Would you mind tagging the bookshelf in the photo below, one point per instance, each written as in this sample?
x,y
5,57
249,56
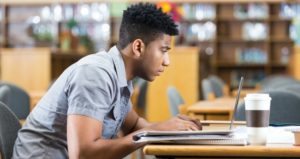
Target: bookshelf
x,y
65,28
250,39
78,28
217,27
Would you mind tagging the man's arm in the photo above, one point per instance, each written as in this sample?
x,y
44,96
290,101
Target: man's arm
x,y
84,135
84,140
133,122
180,122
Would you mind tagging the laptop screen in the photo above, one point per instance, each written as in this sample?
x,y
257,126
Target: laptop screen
x,y
236,102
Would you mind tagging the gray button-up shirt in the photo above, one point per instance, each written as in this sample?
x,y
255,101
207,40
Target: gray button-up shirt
x,y
95,86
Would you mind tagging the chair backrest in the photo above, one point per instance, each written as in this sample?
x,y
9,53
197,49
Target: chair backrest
x,y
4,93
275,81
217,85
285,107
9,126
207,89
141,99
138,97
18,100
175,100
292,87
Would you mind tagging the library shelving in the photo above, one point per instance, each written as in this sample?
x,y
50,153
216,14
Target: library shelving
x,y
250,38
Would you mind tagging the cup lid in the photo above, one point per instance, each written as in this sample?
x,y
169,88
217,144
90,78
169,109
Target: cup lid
x,y
257,96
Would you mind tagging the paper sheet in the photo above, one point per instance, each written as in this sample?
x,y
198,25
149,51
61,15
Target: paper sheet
x,y
280,135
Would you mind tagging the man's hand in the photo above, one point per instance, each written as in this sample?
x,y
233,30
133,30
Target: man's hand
x,y
178,123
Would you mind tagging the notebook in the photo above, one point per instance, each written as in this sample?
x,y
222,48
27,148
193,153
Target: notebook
x,y
177,135
232,142
235,137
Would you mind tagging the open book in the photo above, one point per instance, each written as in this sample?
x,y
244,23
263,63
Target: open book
x,y
236,137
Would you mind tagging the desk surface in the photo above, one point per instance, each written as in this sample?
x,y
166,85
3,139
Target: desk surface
x,y
218,151
207,109
281,150
219,105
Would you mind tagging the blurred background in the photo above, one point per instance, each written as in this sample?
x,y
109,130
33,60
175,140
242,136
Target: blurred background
x,y
220,40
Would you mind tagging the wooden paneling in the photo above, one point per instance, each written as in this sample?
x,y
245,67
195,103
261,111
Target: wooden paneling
x,y
183,74
28,68
294,65
61,61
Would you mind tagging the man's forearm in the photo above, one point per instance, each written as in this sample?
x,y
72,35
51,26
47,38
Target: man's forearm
x,y
141,124
144,124
109,148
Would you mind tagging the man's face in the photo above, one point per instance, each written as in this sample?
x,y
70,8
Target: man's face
x,y
155,58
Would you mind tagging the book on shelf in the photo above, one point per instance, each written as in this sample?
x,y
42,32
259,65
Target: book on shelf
x,y
226,137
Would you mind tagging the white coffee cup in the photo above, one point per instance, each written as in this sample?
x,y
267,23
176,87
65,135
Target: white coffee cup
x,y
257,107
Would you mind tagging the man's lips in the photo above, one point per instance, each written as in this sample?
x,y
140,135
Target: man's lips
x,y
160,72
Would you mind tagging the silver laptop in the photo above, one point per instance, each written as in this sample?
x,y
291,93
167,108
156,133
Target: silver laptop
x,y
204,132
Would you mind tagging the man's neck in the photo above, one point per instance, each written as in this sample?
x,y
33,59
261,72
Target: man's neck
x,y
127,62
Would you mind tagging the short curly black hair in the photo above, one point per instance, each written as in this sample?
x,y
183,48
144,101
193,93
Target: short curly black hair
x,y
144,21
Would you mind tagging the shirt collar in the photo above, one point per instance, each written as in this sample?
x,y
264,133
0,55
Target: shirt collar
x,y
120,68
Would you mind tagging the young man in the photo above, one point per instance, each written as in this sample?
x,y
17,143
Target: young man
x,y
82,113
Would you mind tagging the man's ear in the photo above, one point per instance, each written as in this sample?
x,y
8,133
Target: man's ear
x,y
138,48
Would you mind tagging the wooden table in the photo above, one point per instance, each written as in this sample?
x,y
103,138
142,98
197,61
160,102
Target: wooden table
x,y
197,151
213,151
220,125
218,109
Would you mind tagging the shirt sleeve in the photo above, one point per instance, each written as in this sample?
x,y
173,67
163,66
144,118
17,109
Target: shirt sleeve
x,y
90,91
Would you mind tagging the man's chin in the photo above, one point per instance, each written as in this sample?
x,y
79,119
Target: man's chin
x,y
149,78
152,78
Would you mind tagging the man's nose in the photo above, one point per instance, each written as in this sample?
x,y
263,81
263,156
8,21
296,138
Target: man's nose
x,y
166,60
